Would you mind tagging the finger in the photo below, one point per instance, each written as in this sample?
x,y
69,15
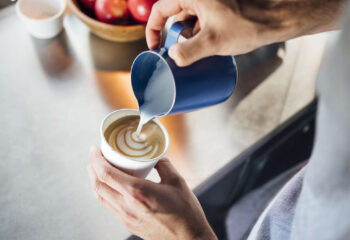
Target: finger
x,y
116,200
112,176
196,28
182,16
199,46
92,177
168,173
95,187
111,198
105,191
161,11
124,216
111,208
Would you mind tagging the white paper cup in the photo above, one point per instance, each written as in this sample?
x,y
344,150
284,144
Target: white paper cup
x,y
134,167
42,18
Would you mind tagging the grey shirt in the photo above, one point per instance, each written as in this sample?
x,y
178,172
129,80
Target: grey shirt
x,y
315,203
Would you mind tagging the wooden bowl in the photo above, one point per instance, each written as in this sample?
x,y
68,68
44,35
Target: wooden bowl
x,y
116,33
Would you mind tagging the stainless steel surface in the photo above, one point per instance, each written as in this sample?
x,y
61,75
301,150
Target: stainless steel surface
x,y
53,95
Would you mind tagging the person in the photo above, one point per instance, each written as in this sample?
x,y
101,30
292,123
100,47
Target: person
x,y
314,204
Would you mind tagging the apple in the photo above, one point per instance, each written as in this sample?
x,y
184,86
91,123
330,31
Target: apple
x,y
112,11
141,9
89,4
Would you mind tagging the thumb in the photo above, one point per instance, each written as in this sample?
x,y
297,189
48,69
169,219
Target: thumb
x,y
191,50
166,171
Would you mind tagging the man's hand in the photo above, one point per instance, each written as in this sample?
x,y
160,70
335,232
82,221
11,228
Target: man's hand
x,y
165,210
231,27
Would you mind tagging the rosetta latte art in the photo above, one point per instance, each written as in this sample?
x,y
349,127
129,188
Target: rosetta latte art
x,y
121,136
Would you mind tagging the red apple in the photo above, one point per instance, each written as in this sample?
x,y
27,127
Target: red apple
x,y
89,4
141,9
111,11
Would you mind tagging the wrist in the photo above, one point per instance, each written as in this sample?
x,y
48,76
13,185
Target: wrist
x,y
207,234
280,21
196,232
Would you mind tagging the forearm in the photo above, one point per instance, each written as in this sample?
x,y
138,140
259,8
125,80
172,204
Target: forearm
x,y
281,20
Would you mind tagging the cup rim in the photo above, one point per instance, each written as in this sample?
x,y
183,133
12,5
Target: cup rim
x,y
51,18
135,112
160,55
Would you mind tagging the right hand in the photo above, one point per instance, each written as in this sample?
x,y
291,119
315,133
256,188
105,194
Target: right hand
x,y
218,24
231,27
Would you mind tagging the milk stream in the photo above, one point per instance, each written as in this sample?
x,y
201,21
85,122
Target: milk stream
x,y
144,118
158,95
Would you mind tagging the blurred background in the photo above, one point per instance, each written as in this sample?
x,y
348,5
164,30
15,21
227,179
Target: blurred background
x,y
54,94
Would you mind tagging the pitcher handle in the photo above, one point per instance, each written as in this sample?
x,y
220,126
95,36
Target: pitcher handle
x,y
176,30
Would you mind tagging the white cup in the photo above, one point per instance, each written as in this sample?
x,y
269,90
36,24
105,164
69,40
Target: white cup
x,y
42,18
134,167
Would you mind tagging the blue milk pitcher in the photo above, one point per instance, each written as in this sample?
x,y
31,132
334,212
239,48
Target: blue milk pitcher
x,y
162,88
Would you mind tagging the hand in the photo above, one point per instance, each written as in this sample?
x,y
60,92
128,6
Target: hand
x,y
231,27
217,25
165,210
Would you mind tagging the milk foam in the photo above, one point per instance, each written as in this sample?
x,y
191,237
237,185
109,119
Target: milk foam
x,y
144,146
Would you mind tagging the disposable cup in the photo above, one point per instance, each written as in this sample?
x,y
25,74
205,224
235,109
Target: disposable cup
x,y
135,167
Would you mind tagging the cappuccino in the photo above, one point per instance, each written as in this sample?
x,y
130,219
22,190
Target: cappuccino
x,y
122,137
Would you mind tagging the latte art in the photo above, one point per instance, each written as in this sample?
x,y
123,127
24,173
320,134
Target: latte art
x,y
121,136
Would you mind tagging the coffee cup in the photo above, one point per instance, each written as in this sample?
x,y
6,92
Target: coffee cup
x,y
42,18
141,163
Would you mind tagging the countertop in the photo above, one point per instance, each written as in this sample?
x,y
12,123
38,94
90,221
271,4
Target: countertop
x,y
54,94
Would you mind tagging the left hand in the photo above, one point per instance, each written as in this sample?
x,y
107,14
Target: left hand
x,y
165,210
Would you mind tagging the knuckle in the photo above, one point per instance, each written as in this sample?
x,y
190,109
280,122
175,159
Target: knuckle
x,y
97,187
135,192
138,189
104,173
177,181
123,209
128,213
156,7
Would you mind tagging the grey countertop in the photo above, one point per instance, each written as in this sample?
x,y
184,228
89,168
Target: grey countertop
x,y
51,108
54,93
